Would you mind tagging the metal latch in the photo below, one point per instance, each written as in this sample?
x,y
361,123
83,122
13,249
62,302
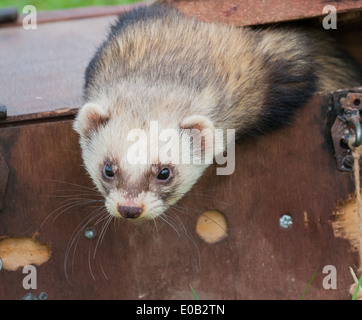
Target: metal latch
x,y
346,126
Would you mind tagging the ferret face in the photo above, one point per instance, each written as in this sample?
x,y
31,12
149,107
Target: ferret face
x,y
134,171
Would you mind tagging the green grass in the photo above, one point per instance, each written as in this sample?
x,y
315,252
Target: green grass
x,y
357,288
60,4
194,293
301,298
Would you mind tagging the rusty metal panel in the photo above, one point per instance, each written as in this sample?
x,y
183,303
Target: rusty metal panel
x,y
259,259
251,12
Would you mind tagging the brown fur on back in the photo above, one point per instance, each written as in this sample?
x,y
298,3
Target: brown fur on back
x,y
250,80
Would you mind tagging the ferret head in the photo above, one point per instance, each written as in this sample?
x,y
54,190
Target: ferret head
x,y
134,157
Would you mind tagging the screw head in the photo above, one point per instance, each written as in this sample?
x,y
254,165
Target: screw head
x,y
43,296
29,296
285,221
90,233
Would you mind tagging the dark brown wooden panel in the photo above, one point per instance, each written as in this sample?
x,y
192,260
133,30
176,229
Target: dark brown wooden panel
x,y
289,172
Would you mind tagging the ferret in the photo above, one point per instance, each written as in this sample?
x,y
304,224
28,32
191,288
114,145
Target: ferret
x,y
159,66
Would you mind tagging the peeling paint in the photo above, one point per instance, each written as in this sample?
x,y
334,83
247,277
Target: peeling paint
x,y
211,226
345,222
16,253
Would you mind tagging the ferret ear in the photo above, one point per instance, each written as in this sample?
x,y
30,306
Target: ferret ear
x,y
89,118
201,129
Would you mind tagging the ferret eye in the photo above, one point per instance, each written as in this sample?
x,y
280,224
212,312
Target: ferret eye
x,y
108,172
164,174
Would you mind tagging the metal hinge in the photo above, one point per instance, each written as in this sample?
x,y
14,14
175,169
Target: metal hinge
x,y
346,126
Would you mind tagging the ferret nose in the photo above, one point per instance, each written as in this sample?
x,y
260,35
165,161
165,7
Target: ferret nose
x,y
130,212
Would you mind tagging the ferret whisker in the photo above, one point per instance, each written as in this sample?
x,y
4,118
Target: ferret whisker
x,y
102,269
77,237
209,197
93,189
165,218
102,218
103,232
167,260
190,237
74,238
212,191
177,208
84,194
89,260
106,223
155,223
214,221
73,200
185,209
66,207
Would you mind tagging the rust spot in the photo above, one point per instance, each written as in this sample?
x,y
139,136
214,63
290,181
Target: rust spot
x,y
345,221
229,12
306,220
211,226
16,253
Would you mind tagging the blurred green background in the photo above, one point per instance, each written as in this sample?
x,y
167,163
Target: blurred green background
x,y
60,4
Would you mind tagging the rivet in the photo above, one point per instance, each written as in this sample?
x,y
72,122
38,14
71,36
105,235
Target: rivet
x,y
285,221
29,296
90,233
43,296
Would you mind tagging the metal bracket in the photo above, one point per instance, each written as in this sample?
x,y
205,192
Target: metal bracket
x,y
346,126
